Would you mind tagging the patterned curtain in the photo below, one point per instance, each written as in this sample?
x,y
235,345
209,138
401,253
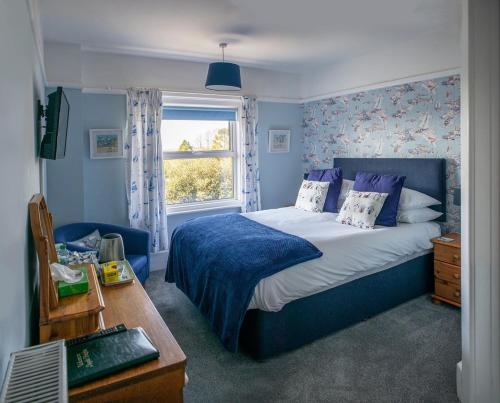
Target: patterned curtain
x,y
250,178
145,179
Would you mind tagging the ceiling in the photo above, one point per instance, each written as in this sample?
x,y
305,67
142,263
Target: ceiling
x,y
285,35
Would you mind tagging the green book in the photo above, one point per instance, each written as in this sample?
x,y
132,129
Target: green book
x,y
108,354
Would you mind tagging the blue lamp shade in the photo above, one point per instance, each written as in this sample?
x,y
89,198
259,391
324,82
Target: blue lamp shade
x,y
223,76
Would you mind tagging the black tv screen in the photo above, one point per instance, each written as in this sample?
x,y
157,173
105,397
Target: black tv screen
x,y
54,142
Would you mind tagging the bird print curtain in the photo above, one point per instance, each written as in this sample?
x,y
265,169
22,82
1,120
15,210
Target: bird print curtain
x,y
145,177
250,179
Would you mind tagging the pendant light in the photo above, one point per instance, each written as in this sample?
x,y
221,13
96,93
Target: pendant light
x,y
223,76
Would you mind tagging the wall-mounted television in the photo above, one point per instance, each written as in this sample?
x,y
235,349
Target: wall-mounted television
x,y
57,115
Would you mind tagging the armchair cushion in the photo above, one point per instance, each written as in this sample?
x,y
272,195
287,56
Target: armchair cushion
x,y
89,241
135,242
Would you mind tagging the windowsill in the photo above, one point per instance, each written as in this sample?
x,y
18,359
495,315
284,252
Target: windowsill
x,y
205,206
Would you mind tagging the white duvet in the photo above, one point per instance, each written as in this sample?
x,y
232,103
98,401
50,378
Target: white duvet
x,y
348,253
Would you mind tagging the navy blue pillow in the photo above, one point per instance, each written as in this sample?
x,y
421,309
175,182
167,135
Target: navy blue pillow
x,y
334,176
392,184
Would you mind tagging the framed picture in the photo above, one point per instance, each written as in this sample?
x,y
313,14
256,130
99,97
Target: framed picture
x,y
279,141
106,143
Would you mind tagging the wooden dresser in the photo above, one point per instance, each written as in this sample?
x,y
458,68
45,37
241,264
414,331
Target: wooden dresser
x,y
160,380
447,272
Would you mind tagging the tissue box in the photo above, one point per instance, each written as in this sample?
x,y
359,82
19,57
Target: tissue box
x,y
66,289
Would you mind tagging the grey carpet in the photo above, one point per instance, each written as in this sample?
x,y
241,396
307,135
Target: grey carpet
x,y
407,354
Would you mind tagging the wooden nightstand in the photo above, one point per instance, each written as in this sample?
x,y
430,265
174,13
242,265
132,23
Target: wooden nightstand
x,y
447,273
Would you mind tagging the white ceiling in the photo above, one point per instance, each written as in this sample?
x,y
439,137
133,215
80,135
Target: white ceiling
x,y
287,35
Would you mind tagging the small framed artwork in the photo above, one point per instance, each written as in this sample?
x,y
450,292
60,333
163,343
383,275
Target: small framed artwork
x,y
106,143
279,141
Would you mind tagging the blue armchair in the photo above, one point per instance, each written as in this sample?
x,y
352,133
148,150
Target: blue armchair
x,y
135,242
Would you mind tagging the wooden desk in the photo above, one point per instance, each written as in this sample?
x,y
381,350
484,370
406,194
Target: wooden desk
x,y
161,380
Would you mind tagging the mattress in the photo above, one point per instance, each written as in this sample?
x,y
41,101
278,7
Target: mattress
x,y
349,253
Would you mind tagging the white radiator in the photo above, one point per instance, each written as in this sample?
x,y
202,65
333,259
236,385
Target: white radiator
x,y
37,374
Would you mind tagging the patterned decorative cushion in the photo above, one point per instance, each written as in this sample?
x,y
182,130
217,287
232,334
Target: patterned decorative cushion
x,y
361,209
90,241
312,196
334,177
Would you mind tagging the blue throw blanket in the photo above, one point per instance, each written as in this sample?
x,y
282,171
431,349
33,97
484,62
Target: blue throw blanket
x,y
218,260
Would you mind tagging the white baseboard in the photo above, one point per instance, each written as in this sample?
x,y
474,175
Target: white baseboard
x,y
459,380
158,261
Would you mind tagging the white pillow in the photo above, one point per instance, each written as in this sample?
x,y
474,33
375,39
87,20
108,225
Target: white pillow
x,y
418,215
312,196
347,185
411,199
361,209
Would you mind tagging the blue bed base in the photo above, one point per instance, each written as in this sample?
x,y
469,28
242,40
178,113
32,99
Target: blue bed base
x,y
302,321
265,334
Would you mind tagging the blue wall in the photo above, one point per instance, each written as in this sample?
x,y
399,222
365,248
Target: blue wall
x,y
65,187
104,179
82,189
280,173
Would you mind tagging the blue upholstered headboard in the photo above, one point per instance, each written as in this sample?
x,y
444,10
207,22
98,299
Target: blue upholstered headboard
x,y
427,175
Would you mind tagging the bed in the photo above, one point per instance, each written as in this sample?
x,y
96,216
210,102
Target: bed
x,y
377,269
363,252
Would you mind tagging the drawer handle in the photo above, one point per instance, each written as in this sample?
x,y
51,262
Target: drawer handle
x,y
455,258
456,293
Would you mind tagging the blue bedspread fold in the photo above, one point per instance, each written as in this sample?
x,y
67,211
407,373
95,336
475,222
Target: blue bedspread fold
x,y
218,260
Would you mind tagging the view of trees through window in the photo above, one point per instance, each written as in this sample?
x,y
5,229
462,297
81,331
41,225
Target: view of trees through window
x,y
202,176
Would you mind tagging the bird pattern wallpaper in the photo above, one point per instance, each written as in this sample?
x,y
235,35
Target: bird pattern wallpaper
x,y
414,120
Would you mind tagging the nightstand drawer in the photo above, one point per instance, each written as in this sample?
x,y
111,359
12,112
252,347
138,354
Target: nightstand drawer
x,y
447,272
447,290
447,254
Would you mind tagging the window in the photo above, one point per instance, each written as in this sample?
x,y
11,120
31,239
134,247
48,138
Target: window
x,y
199,156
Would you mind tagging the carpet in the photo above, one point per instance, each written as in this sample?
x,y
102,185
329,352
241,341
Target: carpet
x,y
407,354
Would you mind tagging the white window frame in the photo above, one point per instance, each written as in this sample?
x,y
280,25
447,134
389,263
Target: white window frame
x,y
200,101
